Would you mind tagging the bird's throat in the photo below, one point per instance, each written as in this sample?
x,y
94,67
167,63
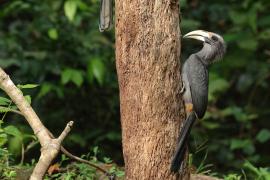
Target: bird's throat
x,y
206,54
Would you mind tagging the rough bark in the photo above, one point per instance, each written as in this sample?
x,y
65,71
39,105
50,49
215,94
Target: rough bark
x,y
148,67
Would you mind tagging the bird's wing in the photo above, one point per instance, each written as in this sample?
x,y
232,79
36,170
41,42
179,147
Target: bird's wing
x,y
197,75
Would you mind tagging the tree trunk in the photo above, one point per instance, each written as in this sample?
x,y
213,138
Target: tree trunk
x,y
148,67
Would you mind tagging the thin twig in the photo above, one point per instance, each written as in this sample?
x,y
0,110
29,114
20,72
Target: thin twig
x,y
76,158
10,110
22,152
67,153
3,117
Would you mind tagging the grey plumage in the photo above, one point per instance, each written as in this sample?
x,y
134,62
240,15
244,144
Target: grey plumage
x,y
197,76
181,146
195,79
106,15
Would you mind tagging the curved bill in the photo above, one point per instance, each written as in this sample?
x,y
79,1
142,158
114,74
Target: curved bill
x,y
198,34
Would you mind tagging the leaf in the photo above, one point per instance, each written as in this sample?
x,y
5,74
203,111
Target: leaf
x,y
249,44
66,76
72,75
95,150
53,33
249,149
245,144
233,177
77,78
263,135
5,109
28,98
239,143
113,136
120,173
210,125
3,139
39,55
64,158
107,160
14,131
252,19
217,85
15,145
238,113
232,37
238,18
10,174
96,68
4,101
45,89
27,86
249,166
82,5
265,35
70,8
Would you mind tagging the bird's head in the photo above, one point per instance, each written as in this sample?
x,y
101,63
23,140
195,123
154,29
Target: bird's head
x,y
214,45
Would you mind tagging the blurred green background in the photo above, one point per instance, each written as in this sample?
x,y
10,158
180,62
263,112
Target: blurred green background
x,y
57,45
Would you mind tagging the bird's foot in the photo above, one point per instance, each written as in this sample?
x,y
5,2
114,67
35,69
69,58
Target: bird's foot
x,y
183,168
183,89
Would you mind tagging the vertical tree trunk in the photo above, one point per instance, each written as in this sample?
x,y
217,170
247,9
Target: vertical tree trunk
x,y
148,67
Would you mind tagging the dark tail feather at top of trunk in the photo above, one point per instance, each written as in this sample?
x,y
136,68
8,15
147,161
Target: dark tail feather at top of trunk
x,y
181,147
106,15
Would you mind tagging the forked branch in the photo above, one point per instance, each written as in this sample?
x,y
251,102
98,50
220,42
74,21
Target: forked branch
x,y
50,147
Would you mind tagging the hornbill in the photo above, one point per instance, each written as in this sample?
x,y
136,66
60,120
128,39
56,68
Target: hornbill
x,y
106,15
195,85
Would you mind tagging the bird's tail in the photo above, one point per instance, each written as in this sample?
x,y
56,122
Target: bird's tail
x,y
181,147
106,15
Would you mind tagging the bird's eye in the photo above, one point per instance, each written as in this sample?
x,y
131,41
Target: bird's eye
x,y
214,38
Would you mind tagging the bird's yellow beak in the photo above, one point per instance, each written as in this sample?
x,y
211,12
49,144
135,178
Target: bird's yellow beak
x,y
199,35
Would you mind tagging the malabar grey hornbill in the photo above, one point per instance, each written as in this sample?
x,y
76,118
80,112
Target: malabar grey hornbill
x,y
106,15
195,86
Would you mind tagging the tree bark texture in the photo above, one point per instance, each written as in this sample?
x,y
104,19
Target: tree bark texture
x,y
148,67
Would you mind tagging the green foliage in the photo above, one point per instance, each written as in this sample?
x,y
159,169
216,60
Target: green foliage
x,y
27,86
233,177
72,75
96,69
4,101
257,173
83,171
57,44
53,33
10,134
236,124
70,9
263,136
72,171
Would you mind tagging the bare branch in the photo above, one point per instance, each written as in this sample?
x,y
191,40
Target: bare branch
x,y
65,132
49,147
64,150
